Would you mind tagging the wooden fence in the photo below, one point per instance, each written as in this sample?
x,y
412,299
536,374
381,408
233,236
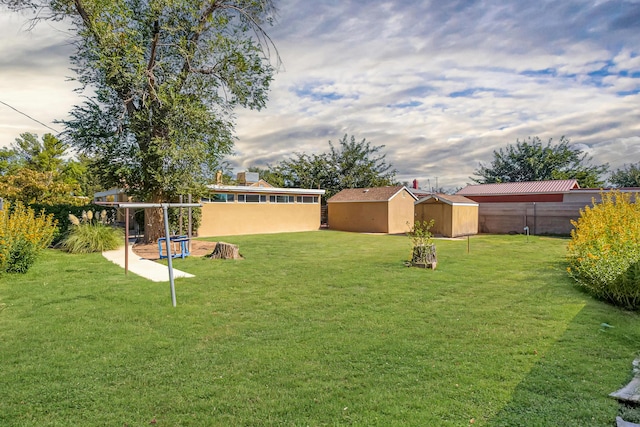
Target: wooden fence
x,y
540,217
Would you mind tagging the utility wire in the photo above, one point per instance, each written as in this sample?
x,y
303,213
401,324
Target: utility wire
x,y
28,116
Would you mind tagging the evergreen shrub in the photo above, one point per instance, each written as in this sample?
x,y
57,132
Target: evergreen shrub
x,y
604,251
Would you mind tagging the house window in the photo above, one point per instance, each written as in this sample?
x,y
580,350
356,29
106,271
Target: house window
x,y
307,199
280,198
219,198
252,198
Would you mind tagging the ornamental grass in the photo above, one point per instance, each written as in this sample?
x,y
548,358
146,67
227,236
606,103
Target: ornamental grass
x,y
90,234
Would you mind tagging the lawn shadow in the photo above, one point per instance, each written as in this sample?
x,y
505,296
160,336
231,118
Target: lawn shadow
x,y
586,360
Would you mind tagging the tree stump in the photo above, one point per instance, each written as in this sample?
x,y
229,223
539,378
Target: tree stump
x,y
225,251
424,256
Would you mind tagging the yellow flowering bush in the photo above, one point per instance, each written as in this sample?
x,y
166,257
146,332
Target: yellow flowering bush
x,y
604,251
23,234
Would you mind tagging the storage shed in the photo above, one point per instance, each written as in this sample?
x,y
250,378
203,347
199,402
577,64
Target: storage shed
x,y
372,210
453,215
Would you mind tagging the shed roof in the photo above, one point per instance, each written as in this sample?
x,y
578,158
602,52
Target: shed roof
x,y
512,188
374,194
450,199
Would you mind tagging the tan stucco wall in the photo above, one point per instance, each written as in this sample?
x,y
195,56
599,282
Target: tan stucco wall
x,y
230,219
449,221
373,217
439,212
465,220
363,217
401,213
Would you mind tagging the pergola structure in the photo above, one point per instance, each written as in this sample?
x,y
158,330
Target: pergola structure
x,y
165,207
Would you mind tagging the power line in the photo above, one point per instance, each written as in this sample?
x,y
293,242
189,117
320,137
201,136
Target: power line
x,y
28,116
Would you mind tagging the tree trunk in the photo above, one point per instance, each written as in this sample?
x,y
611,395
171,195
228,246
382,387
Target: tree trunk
x,y
225,251
424,256
153,224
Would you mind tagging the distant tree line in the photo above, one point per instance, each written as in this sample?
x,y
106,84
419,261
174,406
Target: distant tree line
x,y
533,160
349,164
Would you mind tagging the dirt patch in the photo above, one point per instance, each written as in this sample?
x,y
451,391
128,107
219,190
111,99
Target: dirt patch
x,y
150,250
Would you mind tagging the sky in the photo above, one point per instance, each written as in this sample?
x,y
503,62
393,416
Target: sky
x,y
441,84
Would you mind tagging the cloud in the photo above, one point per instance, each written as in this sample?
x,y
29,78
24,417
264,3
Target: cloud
x,y
440,84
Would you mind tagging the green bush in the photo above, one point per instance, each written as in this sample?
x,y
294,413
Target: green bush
x,y
22,235
22,255
61,215
92,233
604,252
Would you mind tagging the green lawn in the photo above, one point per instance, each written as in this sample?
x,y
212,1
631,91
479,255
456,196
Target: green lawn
x,y
320,329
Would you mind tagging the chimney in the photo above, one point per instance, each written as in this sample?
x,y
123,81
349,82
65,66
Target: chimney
x,y
247,178
415,184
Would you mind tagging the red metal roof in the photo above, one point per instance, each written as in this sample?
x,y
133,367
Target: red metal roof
x,y
511,188
375,194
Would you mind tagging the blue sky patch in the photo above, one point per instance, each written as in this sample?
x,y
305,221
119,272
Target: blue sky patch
x,y
318,92
409,104
551,72
470,92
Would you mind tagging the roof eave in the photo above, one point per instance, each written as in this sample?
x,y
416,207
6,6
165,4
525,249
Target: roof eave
x,y
246,189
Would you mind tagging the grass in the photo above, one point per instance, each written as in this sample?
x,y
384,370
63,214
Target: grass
x,y
320,329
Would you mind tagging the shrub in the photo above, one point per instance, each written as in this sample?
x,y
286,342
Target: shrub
x,y
21,256
91,233
23,234
604,252
423,250
61,214
420,233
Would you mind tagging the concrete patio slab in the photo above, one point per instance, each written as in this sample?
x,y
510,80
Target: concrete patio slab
x,y
143,267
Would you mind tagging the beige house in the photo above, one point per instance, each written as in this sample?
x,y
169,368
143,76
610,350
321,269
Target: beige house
x,y
453,216
258,208
372,210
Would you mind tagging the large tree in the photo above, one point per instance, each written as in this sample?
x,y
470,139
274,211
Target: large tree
x,y
532,160
627,176
163,78
351,164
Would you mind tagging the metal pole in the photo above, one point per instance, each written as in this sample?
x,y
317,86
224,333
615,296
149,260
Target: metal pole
x,y
180,217
190,221
126,241
165,209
